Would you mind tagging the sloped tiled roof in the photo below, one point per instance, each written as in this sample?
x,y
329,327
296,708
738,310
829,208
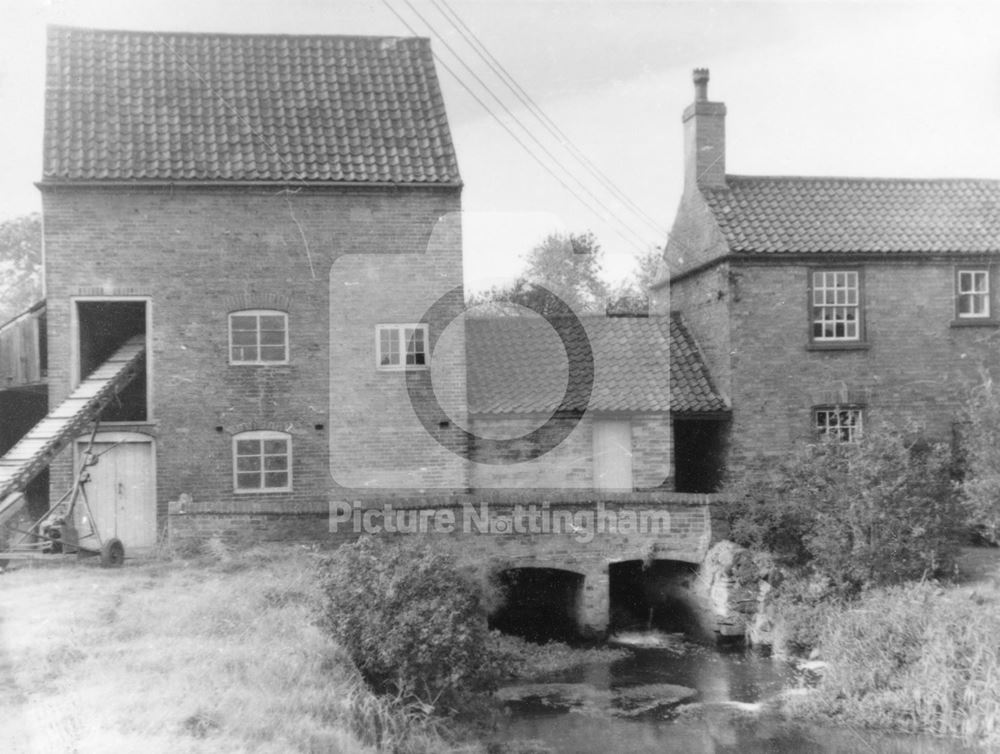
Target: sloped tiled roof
x,y
519,365
789,214
128,105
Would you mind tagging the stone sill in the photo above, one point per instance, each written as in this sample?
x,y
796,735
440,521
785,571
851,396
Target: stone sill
x,y
970,322
853,346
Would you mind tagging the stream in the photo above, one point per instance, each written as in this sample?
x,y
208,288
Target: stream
x,y
686,698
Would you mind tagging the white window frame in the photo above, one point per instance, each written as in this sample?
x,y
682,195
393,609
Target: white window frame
x,y
844,423
835,295
258,314
965,288
401,335
261,436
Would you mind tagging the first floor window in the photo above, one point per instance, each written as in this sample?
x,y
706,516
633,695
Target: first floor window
x,y
258,336
838,422
836,306
262,461
973,294
401,346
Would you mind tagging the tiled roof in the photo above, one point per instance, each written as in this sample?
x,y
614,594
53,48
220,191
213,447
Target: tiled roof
x,y
692,391
128,105
519,365
777,215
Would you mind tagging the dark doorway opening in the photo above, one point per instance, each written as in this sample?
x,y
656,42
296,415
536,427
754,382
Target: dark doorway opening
x,y
539,604
104,326
656,595
699,454
20,410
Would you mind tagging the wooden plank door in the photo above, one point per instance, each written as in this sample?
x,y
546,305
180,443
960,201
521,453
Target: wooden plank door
x,y
613,454
122,489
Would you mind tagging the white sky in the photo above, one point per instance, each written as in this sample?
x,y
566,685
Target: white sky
x,y
834,88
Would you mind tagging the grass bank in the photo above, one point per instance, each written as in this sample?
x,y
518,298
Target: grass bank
x,y
920,657
215,655
219,653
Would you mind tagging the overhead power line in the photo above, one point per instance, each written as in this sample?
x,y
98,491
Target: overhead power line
x,y
535,109
635,240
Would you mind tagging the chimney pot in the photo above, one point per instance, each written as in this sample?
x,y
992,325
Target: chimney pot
x,y
700,77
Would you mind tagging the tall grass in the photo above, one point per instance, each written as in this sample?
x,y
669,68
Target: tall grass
x,y
916,658
218,655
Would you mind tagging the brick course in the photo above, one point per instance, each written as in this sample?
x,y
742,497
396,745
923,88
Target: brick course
x,y
199,253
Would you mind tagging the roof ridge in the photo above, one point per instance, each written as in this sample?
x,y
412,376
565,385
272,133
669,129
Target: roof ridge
x,y
855,179
229,34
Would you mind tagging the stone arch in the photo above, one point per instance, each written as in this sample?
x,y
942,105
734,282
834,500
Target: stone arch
x,y
658,593
539,602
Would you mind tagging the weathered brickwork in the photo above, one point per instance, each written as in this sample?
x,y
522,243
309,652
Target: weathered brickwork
x,y
195,255
570,465
580,531
915,363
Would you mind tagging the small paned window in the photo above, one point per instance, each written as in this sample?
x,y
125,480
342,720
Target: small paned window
x,y
258,337
836,306
401,347
262,462
838,422
973,294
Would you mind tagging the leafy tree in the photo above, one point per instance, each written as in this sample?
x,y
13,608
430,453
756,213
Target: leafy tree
x,y
20,265
877,511
649,267
632,295
567,265
980,445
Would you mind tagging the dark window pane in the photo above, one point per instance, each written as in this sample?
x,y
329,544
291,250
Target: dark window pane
x,y
272,353
272,447
276,479
247,447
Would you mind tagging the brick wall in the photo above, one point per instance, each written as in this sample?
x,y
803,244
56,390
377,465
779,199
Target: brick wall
x,y
917,365
570,465
198,254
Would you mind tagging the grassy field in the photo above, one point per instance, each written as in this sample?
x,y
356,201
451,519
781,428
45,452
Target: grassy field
x,y
214,655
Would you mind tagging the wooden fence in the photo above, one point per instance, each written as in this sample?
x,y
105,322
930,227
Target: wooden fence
x,y
22,349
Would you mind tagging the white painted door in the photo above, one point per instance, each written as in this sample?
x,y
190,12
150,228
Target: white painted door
x,y
122,489
612,454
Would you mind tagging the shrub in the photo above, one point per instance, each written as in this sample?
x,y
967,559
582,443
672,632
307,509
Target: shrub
x,y
878,511
412,622
916,658
980,446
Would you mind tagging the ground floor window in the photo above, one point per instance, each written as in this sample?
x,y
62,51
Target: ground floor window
x,y
842,423
262,462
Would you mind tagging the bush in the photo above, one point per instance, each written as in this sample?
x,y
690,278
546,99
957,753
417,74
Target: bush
x,y
915,658
980,446
411,621
878,511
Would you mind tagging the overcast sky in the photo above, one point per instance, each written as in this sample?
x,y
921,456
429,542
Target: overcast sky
x,y
836,88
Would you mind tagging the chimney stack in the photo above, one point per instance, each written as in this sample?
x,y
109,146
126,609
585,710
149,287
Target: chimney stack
x,y
704,138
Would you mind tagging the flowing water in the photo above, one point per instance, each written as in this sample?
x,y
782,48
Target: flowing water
x,y
685,698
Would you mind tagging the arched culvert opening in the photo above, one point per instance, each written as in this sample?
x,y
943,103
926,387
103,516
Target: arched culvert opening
x,y
539,604
657,594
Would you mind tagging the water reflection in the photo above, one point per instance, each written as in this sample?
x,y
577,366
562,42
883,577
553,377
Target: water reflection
x,y
732,712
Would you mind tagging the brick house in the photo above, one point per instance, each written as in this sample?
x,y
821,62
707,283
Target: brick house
x,y
648,379
274,215
823,304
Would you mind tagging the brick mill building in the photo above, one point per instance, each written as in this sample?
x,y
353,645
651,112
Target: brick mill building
x,y
273,215
266,231
826,304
